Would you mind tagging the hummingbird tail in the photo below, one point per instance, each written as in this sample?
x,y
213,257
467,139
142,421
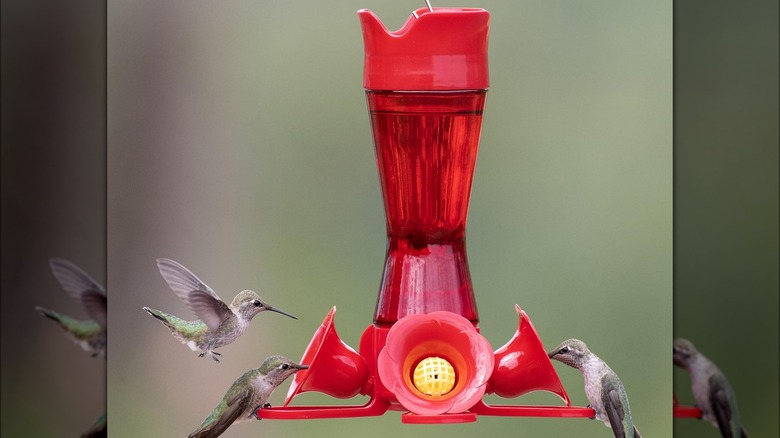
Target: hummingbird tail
x,y
49,313
65,322
162,316
206,432
636,433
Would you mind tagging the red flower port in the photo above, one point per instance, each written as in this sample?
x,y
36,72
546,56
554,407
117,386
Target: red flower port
x,y
442,341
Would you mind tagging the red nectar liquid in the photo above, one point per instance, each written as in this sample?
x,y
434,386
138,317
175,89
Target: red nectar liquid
x,y
426,148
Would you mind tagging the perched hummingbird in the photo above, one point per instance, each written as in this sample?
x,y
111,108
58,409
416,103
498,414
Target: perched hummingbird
x,y
248,393
711,389
89,334
219,323
603,388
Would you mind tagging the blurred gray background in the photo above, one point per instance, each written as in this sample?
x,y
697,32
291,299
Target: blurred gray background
x,y
53,205
240,146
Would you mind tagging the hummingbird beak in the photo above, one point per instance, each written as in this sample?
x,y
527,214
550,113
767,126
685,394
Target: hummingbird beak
x,y
279,311
301,367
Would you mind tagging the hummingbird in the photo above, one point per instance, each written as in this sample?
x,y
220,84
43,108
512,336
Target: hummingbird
x,y
603,388
90,335
219,324
248,393
711,389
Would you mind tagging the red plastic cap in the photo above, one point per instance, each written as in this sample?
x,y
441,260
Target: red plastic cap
x,y
441,50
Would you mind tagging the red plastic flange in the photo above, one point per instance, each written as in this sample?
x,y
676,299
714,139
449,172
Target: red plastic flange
x,y
442,49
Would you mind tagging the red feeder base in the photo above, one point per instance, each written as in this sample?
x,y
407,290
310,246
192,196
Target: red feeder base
x,y
338,370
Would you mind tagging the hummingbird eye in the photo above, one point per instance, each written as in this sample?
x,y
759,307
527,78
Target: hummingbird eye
x,y
285,366
257,303
564,350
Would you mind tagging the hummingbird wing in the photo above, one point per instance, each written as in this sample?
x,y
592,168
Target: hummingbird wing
x,y
96,306
76,282
236,405
614,406
182,280
197,295
210,310
721,407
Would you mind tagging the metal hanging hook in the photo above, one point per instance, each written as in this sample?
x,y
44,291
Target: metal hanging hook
x,y
430,9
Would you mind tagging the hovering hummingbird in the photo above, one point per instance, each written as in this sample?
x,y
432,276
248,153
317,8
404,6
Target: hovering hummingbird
x,y
219,323
248,393
711,389
603,388
89,334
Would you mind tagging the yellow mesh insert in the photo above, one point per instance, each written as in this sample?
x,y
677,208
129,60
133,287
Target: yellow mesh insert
x,y
434,376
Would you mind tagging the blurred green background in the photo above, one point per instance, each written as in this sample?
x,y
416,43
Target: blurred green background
x,y
726,202
240,146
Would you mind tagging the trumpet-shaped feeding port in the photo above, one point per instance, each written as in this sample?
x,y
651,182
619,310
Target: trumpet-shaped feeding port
x,y
334,367
453,360
522,364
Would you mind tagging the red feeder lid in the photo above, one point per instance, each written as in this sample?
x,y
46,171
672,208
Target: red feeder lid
x,y
443,49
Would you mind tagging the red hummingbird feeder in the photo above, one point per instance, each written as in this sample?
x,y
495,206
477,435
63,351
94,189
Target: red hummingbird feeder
x,y
426,85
